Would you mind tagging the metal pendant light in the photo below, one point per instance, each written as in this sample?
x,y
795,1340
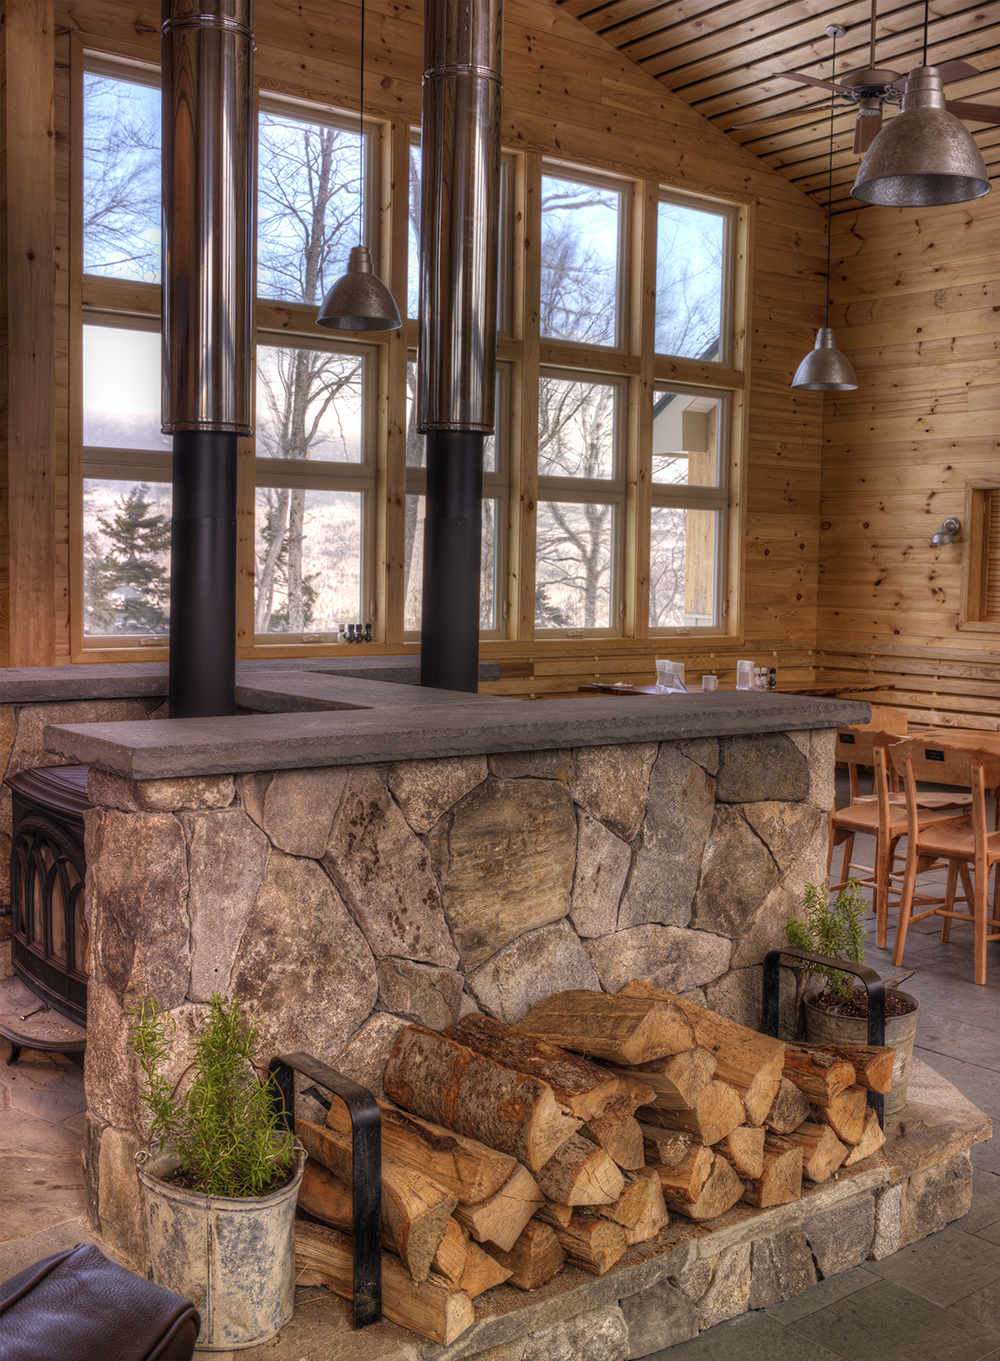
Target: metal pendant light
x,y
359,300
824,368
925,156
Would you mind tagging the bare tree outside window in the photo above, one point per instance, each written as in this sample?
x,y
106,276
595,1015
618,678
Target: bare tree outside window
x,y
690,245
581,229
121,178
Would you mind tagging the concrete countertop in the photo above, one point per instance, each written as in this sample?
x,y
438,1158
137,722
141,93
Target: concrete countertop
x,y
311,718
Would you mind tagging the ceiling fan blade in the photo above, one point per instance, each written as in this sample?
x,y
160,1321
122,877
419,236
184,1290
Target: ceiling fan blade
x,y
803,113
977,113
866,129
948,70
808,80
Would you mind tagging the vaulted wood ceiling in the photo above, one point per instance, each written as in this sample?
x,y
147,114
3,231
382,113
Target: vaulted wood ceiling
x,y
725,60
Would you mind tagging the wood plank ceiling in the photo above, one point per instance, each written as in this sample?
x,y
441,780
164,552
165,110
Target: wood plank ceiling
x,y
725,60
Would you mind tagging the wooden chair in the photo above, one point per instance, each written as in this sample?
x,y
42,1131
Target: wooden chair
x,y
882,815
966,842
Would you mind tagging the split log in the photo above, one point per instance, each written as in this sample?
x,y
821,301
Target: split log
x,y
634,1202
534,1259
441,1080
872,1139
677,1080
781,1180
717,1110
449,1260
415,1210
556,1213
589,1242
654,1218
720,1193
750,1062
872,1064
822,1151
467,1168
623,1030
743,1150
580,1173
846,1115
433,1308
820,1076
616,1128
788,1109
501,1218
665,1146
684,1183
581,1088
482,1272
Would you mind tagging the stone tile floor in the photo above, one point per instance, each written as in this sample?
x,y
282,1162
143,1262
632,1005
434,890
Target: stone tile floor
x,y
938,1300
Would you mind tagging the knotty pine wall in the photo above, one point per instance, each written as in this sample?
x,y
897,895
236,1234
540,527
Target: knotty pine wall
x,y
567,94
917,309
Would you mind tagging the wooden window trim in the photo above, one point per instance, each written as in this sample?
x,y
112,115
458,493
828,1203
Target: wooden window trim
x,y
981,558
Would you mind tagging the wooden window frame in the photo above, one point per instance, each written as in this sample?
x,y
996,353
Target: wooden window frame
x,y
981,556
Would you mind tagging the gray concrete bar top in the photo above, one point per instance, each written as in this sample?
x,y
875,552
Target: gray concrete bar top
x,y
307,718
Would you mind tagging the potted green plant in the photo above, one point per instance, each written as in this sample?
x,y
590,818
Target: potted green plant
x,y
837,1013
220,1176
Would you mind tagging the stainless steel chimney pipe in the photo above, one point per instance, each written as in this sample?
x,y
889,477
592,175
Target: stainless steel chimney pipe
x,y
207,59
207,100
459,210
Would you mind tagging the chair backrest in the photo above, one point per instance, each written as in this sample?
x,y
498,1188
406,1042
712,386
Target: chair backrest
x,y
856,746
936,763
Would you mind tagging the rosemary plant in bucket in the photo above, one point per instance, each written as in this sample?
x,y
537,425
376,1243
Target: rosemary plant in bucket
x,y
220,1189
222,1128
832,927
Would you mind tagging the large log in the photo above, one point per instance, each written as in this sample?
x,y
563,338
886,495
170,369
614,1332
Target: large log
x,y
820,1076
781,1180
743,1150
846,1114
534,1259
872,1064
720,1193
580,1087
439,1079
623,1030
466,1167
717,1110
581,1173
433,1308
616,1128
415,1210
872,1139
588,1242
684,1183
500,1219
822,1151
678,1079
750,1062
788,1109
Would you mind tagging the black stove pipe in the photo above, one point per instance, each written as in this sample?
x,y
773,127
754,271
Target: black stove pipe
x,y
459,208
207,56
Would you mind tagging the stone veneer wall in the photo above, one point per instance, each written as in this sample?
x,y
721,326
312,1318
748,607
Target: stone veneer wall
x,y
348,901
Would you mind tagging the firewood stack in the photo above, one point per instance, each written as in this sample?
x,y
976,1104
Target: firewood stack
x,y
511,1150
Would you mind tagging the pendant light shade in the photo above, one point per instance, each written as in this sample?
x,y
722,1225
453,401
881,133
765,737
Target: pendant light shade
x,y
923,157
824,368
359,300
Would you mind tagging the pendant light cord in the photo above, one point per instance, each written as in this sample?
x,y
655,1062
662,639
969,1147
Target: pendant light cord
x,y
927,15
829,189
361,130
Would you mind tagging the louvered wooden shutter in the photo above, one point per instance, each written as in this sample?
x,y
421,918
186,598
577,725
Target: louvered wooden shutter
x,y
991,556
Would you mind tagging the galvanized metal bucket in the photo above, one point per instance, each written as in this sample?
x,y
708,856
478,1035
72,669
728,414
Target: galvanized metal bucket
x,y
235,1259
823,1027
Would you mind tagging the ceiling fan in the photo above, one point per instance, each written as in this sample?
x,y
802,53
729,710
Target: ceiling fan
x,y
875,87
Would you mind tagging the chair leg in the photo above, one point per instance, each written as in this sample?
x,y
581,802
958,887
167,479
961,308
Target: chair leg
x,y
905,904
845,865
949,897
883,866
982,888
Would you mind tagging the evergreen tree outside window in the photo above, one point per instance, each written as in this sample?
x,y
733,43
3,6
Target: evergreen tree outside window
x,y
126,557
